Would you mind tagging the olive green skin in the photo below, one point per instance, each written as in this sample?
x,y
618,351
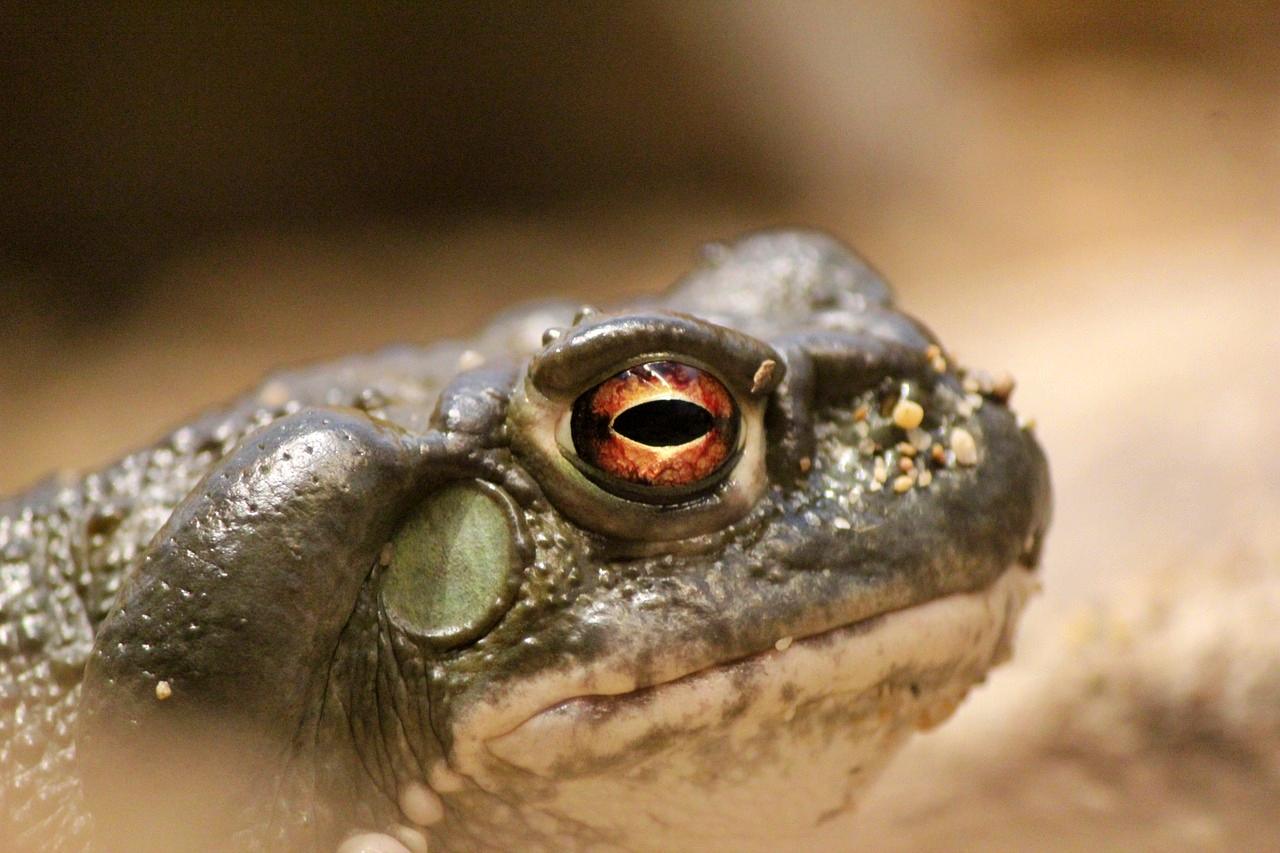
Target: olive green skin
x,y
240,561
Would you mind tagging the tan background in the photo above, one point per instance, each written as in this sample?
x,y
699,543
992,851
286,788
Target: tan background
x,y
1086,194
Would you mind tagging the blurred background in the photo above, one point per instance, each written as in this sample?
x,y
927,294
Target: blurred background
x,y
1086,194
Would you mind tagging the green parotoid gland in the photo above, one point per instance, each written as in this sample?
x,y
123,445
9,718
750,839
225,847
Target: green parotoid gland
x,y
455,563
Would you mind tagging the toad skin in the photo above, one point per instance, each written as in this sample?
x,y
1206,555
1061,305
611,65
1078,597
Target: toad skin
x,y
410,600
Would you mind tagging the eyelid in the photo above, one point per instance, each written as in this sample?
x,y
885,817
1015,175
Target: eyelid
x,y
596,348
588,353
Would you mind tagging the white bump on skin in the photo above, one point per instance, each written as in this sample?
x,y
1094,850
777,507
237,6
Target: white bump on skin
x,y
412,838
920,439
470,360
964,447
421,804
372,842
783,644
163,690
443,779
274,393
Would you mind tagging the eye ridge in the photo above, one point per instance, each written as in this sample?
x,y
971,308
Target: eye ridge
x,y
664,423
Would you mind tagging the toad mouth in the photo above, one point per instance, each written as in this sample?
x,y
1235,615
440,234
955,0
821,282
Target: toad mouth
x,y
609,717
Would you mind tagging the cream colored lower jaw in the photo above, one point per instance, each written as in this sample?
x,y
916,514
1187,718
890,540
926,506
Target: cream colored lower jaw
x,y
757,754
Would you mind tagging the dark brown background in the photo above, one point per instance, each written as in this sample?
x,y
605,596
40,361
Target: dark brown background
x,y
1085,193
190,196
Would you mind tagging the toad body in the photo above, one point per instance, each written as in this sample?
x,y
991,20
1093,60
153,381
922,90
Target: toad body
x,y
677,576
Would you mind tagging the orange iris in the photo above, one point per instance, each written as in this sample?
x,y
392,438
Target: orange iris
x,y
657,424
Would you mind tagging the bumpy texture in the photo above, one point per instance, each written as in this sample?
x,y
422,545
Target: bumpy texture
x,y
66,547
249,685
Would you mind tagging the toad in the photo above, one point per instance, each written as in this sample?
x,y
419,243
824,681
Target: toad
x,y
681,574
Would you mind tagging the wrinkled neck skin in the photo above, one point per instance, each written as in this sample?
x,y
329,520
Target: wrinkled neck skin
x,y
207,646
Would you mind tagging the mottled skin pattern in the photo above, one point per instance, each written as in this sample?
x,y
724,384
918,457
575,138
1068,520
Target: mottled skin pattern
x,y
239,559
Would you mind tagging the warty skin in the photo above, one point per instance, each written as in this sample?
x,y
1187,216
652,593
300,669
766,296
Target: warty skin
x,y
201,646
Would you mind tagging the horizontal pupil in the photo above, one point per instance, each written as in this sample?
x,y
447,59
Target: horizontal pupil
x,y
663,423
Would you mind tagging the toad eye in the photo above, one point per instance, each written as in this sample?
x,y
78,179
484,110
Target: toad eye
x,y
647,428
664,426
